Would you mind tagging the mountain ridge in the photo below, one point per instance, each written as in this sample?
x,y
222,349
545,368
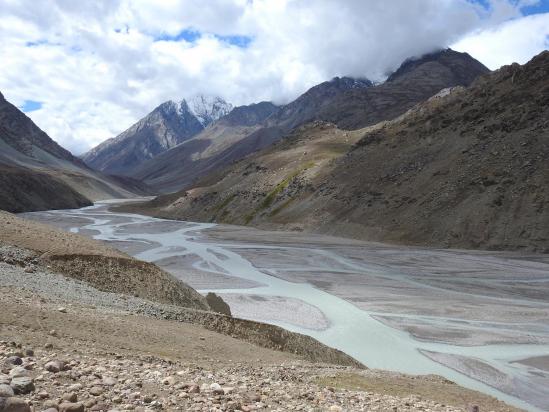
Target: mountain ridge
x,y
168,125
349,103
463,169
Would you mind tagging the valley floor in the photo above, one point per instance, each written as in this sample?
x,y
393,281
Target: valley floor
x,y
120,354
280,278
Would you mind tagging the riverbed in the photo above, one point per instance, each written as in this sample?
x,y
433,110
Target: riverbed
x,y
480,319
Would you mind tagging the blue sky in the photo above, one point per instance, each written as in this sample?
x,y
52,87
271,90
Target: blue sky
x,y
191,36
541,6
30,106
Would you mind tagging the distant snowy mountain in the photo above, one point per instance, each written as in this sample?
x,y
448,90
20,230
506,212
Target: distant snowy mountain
x,y
208,109
168,125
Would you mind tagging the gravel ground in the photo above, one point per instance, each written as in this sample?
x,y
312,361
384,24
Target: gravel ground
x,y
84,381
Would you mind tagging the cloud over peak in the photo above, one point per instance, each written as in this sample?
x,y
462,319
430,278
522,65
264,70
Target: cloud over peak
x,y
98,66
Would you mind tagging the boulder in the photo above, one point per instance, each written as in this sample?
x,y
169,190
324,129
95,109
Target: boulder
x,y
22,385
6,391
71,407
217,304
13,404
55,366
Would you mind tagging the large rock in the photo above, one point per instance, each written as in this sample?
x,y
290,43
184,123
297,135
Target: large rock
x,y
13,404
55,366
217,304
22,385
19,371
71,407
6,391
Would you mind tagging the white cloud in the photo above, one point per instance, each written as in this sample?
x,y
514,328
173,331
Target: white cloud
x,y
513,41
96,67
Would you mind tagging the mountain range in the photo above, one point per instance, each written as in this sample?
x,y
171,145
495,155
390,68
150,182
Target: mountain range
x,y
347,102
440,149
165,127
465,168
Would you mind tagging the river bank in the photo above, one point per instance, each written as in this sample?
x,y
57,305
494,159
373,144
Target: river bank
x,y
455,303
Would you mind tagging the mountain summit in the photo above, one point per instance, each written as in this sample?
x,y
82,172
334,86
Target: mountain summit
x,y
166,126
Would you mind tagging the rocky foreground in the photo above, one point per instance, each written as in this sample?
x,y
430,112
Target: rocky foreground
x,y
47,379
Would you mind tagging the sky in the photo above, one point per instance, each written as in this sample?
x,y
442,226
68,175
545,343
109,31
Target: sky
x,y
86,70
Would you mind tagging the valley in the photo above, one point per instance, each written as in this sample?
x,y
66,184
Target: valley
x,y
413,310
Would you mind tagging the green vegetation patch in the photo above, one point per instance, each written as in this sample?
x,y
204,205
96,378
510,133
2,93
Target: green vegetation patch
x,y
224,203
271,196
281,207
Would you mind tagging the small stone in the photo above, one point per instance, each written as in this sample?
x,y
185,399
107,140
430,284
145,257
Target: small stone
x,y
75,387
43,395
194,389
29,269
108,381
48,345
6,391
29,352
13,404
70,397
22,385
96,390
14,360
215,386
62,309
71,407
55,366
168,381
53,332
50,404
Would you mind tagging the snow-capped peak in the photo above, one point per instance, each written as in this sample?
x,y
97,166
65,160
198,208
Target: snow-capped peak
x,y
208,109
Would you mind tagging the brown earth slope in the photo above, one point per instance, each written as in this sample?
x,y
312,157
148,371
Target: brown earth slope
x,y
21,187
90,261
465,169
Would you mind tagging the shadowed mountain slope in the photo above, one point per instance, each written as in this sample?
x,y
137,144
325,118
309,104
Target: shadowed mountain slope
x,y
39,174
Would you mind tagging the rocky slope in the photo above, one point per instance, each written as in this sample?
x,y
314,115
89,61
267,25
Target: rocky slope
x,y
349,103
464,169
90,261
23,190
168,125
39,174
